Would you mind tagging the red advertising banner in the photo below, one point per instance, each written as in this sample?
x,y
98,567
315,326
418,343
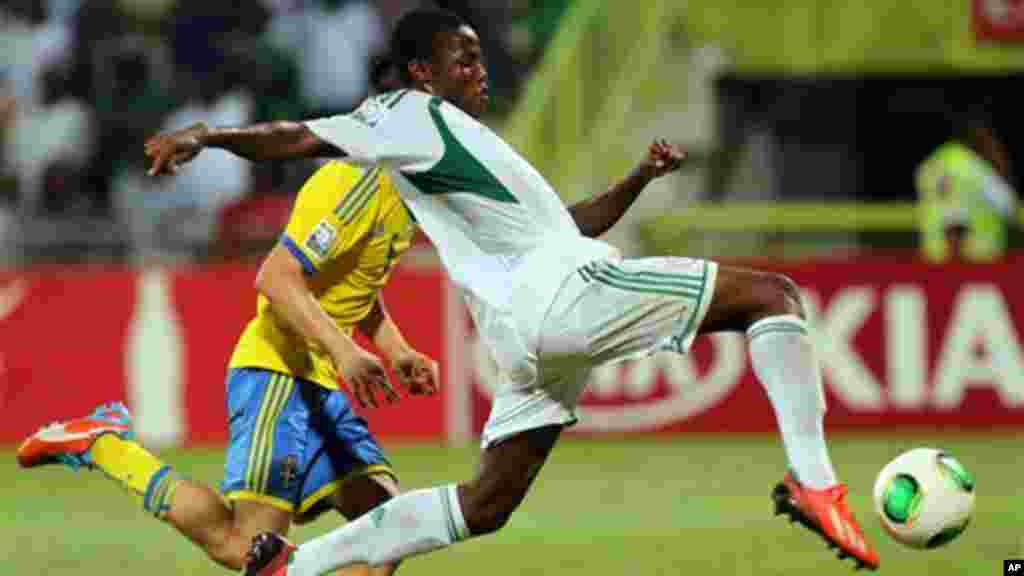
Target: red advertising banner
x,y
998,20
62,338
160,341
901,343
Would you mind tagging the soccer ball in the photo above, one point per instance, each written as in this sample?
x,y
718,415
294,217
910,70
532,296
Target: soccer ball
x,y
924,498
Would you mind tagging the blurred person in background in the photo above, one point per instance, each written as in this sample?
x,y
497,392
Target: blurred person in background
x,y
124,68
49,135
206,65
34,40
966,201
192,202
48,147
8,184
334,41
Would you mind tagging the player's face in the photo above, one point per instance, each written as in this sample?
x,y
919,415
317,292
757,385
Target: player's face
x,y
459,73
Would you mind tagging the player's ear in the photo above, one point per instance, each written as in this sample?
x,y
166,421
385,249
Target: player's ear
x,y
420,72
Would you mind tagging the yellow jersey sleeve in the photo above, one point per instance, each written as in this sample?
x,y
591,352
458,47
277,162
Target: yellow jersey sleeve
x,y
326,219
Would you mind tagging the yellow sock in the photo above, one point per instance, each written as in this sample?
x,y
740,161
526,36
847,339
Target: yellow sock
x,y
145,476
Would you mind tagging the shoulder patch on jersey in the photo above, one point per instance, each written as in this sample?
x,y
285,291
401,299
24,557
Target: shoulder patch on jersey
x,y
321,239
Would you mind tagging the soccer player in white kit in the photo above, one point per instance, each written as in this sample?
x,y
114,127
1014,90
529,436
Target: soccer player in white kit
x,y
551,302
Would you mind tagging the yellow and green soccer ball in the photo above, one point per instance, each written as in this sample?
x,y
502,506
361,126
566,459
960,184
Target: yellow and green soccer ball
x,y
925,498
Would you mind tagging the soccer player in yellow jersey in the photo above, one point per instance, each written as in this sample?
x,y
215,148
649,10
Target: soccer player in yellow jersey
x,y
297,448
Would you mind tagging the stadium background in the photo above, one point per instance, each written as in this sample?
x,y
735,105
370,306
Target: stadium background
x,y
805,120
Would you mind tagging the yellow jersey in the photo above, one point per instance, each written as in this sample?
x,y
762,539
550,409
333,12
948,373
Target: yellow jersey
x,y
347,228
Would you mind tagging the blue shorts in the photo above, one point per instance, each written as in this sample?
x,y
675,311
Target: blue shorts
x,y
282,453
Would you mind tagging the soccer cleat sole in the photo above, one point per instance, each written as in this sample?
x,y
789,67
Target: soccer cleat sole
x,y
783,499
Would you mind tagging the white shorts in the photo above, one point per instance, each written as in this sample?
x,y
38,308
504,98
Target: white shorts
x,y
607,311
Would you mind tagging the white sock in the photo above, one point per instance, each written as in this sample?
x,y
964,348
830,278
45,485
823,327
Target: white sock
x,y
412,523
783,359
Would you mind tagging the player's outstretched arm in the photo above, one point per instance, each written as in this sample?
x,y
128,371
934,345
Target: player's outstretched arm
x,y
417,372
598,214
258,142
281,280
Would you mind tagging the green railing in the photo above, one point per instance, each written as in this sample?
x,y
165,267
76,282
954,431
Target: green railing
x,y
788,230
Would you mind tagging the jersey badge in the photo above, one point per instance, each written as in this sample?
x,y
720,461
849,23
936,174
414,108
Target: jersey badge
x,y
321,239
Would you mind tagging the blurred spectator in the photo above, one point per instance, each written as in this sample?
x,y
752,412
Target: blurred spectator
x,y
174,215
48,145
7,109
93,78
271,76
32,44
62,11
8,220
966,198
133,92
37,114
333,41
202,32
122,67
216,177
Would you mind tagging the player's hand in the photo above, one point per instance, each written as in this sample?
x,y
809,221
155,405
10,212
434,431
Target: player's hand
x,y
661,159
418,373
365,376
168,151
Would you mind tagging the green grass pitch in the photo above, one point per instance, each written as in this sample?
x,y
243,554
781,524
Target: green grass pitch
x,y
686,505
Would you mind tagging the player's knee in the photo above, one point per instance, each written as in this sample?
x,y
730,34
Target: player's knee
x,y
226,548
781,295
486,519
364,493
486,510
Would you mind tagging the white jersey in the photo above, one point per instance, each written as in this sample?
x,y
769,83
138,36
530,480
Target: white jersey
x,y
502,232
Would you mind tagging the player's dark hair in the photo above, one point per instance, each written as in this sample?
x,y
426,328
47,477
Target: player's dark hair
x,y
381,69
414,35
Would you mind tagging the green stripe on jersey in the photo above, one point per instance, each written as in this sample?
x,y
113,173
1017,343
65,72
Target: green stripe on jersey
x,y
398,96
348,204
458,170
363,201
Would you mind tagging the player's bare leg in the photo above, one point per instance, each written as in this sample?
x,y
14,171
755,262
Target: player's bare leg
x,y
504,476
422,520
767,308
103,440
223,532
